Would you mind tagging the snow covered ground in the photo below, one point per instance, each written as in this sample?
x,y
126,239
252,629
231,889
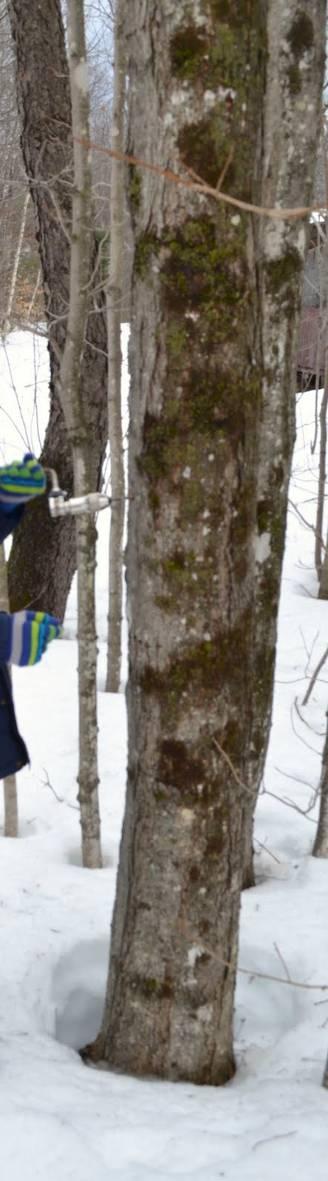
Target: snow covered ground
x,y
60,1121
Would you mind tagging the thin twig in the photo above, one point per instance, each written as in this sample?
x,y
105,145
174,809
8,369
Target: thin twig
x,y
308,524
282,961
225,167
314,677
296,778
269,1139
290,804
299,736
267,976
267,850
318,733
60,799
235,774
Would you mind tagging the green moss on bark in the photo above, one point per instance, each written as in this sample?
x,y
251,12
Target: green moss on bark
x,y
187,51
300,39
134,188
229,62
178,767
204,667
301,35
147,246
283,271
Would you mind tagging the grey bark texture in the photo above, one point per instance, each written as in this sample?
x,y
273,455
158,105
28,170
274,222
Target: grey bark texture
x,y
321,572
114,298
78,433
204,547
291,135
321,561
40,576
9,784
321,554
16,261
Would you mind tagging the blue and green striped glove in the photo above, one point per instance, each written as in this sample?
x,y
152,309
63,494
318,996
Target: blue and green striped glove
x,y
25,635
20,482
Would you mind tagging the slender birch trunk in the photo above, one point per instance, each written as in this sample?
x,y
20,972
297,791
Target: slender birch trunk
x,y
9,784
114,312
70,378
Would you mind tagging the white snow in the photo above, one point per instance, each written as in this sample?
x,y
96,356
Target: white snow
x,y
262,547
60,1121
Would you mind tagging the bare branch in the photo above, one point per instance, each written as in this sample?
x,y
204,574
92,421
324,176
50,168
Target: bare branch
x,y
202,187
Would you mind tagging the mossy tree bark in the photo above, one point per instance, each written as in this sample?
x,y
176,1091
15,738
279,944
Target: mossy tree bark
x,y
41,576
200,370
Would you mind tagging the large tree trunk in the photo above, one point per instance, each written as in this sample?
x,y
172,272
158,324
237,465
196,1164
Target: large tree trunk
x,y
197,379
41,576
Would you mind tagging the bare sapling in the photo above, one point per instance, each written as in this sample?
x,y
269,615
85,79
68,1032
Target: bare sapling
x,y
114,297
70,379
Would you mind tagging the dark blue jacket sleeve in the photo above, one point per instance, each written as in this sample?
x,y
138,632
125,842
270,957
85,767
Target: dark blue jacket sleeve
x,y
4,621
8,521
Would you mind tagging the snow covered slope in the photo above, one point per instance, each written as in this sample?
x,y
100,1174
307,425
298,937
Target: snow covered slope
x,y
60,1121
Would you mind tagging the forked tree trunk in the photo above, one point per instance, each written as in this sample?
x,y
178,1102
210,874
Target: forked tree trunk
x,y
9,784
41,576
197,82
114,313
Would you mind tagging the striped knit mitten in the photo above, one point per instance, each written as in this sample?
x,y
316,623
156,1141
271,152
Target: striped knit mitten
x,y
25,635
20,482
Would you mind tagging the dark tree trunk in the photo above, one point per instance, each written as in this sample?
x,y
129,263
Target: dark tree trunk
x,y
320,848
41,574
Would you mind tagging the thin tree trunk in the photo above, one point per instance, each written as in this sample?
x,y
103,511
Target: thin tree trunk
x,y
279,258
70,377
320,848
41,575
322,573
321,558
114,310
18,251
9,784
